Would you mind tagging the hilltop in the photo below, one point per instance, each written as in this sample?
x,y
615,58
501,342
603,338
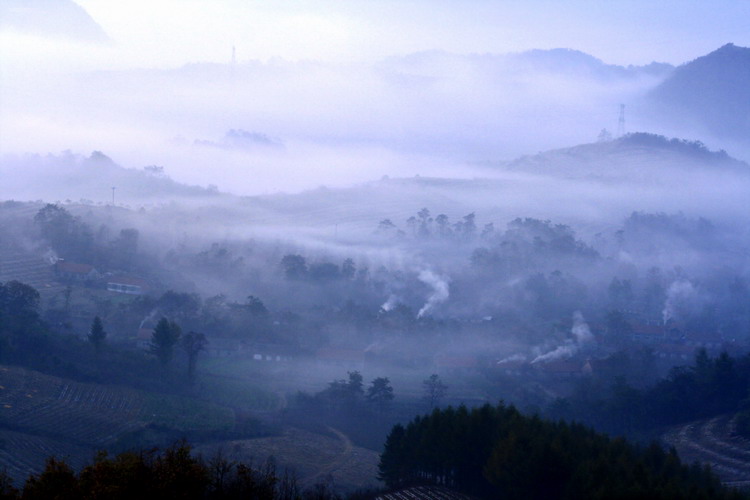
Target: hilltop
x,y
638,156
712,90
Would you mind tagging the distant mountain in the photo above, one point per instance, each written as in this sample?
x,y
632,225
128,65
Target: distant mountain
x,y
639,157
567,62
51,18
75,177
713,90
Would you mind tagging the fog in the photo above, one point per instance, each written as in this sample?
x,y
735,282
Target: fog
x,y
392,189
105,80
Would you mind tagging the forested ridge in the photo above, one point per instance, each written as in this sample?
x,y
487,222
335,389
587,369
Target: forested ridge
x,y
496,452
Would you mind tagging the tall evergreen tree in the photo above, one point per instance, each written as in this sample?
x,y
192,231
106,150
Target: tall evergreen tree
x,y
97,334
165,336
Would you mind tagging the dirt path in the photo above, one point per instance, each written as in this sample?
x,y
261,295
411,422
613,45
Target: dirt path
x,y
714,442
312,456
341,460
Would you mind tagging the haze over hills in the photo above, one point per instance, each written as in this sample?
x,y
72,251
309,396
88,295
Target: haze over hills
x,y
594,184
559,60
288,228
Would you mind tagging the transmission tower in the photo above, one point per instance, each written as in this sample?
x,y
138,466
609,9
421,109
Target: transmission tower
x,y
621,122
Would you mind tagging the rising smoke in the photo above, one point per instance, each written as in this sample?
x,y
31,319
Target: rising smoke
x,y
440,291
581,335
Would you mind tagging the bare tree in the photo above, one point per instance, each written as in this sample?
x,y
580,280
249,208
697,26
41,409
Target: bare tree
x,y
434,390
193,343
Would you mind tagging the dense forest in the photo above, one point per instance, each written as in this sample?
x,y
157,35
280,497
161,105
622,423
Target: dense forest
x,y
496,452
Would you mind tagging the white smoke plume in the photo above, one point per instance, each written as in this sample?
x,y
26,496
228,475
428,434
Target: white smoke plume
x,y
580,330
510,359
440,291
679,293
390,303
568,349
581,335
150,317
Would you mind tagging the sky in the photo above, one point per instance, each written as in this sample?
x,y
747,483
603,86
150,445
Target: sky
x,y
156,33
323,80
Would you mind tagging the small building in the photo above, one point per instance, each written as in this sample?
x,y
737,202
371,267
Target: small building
x,y
455,363
675,352
75,272
560,368
703,339
143,338
648,334
127,284
513,367
350,359
270,353
219,347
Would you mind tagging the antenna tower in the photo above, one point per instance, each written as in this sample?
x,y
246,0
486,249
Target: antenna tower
x,y
621,122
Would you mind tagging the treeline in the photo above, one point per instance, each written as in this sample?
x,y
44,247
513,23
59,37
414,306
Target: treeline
x,y
496,452
172,473
711,386
26,340
74,240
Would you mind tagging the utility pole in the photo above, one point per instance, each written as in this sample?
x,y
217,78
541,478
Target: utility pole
x,y
621,122
113,196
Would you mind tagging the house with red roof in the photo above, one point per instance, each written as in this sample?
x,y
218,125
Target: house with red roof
x,y
74,271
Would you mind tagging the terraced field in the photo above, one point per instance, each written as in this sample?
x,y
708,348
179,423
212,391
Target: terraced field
x,y
29,269
424,493
22,454
85,414
42,415
714,442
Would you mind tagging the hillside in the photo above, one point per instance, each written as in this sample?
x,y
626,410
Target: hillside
x,y
591,184
638,156
68,176
597,180
713,90
41,415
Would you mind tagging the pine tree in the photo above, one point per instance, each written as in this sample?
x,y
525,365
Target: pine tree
x,y
165,336
97,334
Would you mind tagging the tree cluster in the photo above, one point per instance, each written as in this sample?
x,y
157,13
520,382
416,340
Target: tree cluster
x,y
711,386
423,226
496,452
172,473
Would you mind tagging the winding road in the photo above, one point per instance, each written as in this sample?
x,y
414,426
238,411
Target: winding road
x,y
715,443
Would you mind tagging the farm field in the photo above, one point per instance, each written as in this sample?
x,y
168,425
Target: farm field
x,y
311,456
22,454
424,493
41,415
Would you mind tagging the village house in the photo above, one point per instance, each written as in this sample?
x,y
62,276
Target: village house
x,y
513,367
270,353
127,284
218,347
455,363
349,359
143,338
560,368
75,272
